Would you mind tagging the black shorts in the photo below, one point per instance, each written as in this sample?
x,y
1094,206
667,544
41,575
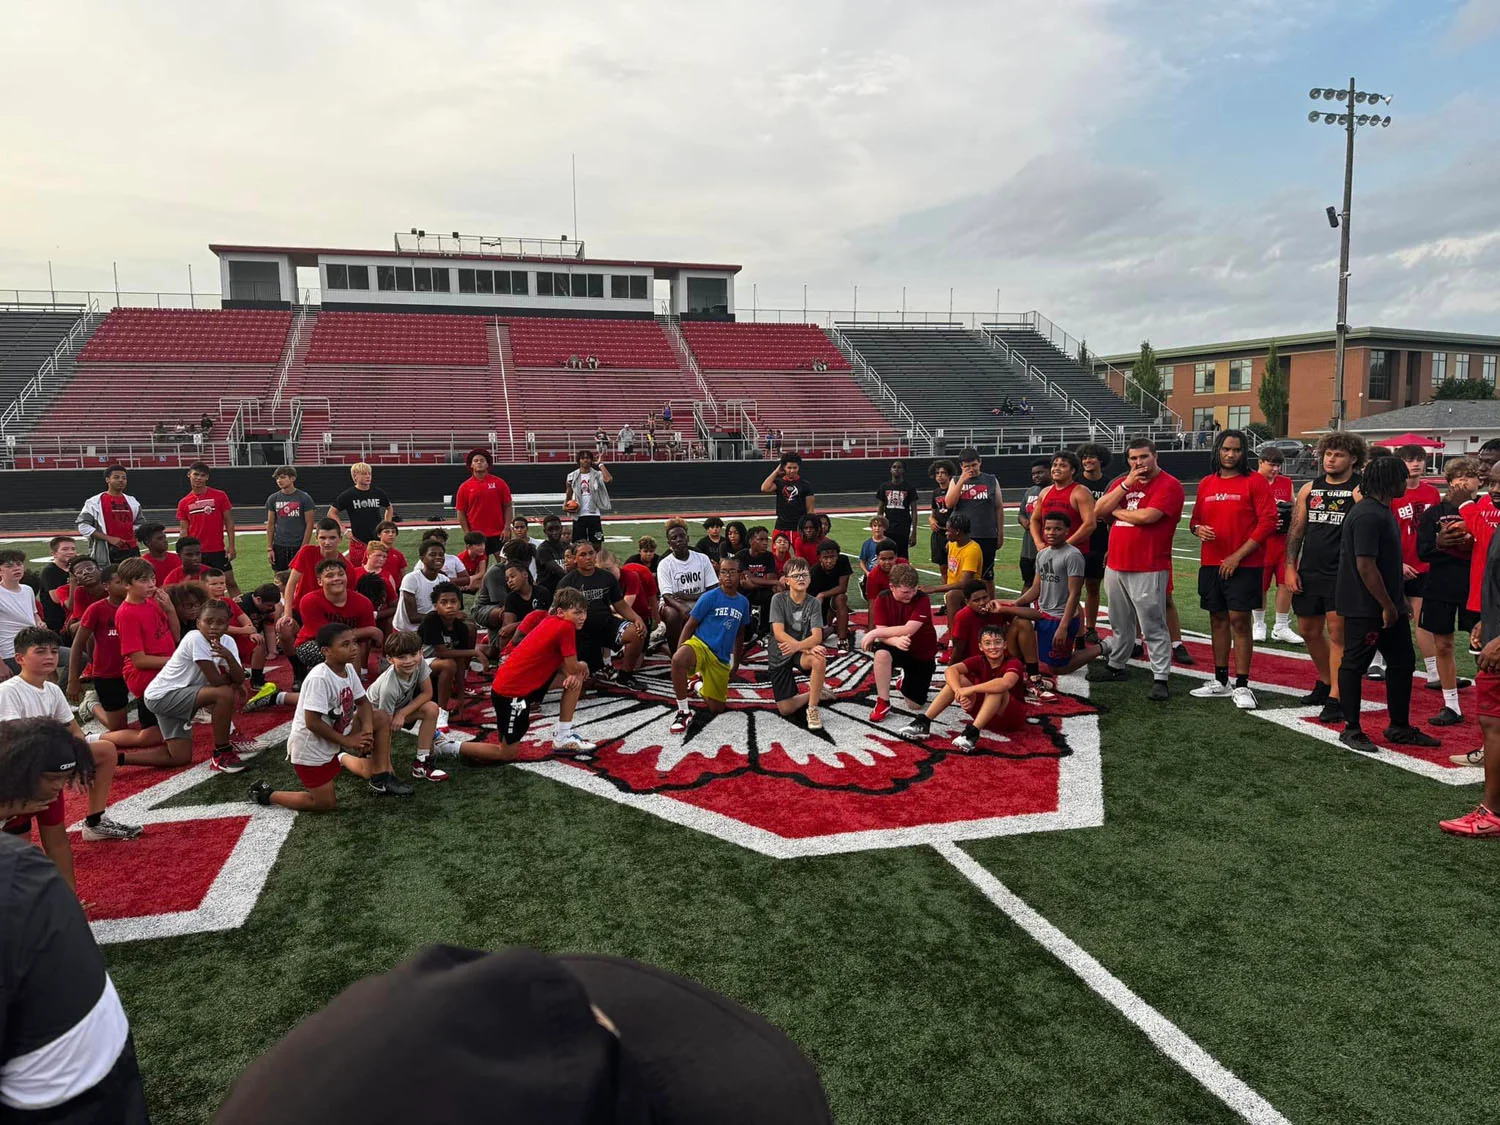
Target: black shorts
x,y
512,718
118,555
1414,587
987,550
1239,593
940,549
1028,572
1313,603
281,557
1438,617
595,637
899,533
113,695
588,527
1093,565
784,679
492,544
219,560
916,684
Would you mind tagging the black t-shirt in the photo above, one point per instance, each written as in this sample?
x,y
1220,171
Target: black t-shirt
x,y
714,551
1448,574
791,502
549,559
1099,540
257,617
53,577
519,606
823,580
940,507
1327,505
757,566
652,565
900,507
365,511
1369,530
435,631
602,590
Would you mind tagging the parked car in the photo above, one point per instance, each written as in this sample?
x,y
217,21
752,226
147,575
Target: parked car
x,y
1290,448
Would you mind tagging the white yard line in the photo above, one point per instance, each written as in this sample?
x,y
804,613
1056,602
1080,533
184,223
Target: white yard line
x,y
1167,1037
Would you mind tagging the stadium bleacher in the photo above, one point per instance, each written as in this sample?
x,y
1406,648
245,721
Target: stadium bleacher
x,y
630,345
398,339
1067,373
194,336
722,346
27,338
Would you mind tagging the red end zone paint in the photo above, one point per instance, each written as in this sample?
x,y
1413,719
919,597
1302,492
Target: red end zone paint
x,y
168,869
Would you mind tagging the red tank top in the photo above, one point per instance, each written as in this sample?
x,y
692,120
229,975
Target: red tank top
x,y
1054,499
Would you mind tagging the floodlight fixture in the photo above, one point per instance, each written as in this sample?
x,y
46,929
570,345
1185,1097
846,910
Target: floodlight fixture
x,y
1360,97
1362,119
1386,123
455,234
1330,93
414,230
1315,93
1343,119
1333,217
1313,116
1330,118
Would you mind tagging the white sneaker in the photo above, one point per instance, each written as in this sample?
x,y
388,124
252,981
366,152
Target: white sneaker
x,y
963,742
1244,698
85,709
447,745
814,718
573,743
1258,631
1211,689
1287,635
202,715
110,829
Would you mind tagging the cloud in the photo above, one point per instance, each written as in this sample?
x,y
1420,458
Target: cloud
x,y
1475,22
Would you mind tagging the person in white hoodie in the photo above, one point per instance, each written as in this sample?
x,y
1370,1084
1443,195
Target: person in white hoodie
x,y
587,497
107,520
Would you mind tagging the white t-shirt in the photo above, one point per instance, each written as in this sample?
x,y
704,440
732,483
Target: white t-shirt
x,y
19,700
586,488
390,693
17,611
334,699
419,586
453,567
688,577
181,669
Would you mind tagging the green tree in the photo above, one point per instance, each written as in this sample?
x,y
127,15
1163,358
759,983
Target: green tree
x,y
1145,376
1472,390
1085,359
1275,392
1259,433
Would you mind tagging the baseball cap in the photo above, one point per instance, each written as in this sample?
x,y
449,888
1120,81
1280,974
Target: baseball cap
x,y
517,1037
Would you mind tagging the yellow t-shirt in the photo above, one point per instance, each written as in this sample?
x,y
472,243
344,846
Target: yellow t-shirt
x,y
968,557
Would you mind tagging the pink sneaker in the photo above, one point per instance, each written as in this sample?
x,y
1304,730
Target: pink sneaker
x,y
1481,823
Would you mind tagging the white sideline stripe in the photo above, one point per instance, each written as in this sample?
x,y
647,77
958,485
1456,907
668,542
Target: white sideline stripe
x,y
1168,1038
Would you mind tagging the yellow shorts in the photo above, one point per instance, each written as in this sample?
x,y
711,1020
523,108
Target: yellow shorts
x,y
714,671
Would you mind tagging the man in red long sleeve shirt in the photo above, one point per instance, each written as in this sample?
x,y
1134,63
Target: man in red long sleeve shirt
x,y
1481,517
1234,516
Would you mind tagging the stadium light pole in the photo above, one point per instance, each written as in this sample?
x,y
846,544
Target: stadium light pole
x,y
1349,119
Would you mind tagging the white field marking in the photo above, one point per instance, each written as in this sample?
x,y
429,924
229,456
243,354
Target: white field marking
x,y
1165,1035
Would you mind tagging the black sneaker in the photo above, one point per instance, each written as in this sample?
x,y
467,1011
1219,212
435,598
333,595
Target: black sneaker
x,y
917,730
1138,652
1437,685
1159,692
387,786
1181,655
1447,717
1411,736
1090,637
1357,739
1333,712
1317,697
1106,673
260,792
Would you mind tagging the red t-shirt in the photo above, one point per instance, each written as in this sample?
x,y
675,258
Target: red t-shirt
x,y
1481,516
99,619
533,663
118,519
471,564
886,610
305,562
638,580
142,628
82,599
523,627
1237,508
317,611
205,516
1054,499
806,548
395,562
1408,510
980,672
1149,548
963,634
483,503
878,580
176,575
163,566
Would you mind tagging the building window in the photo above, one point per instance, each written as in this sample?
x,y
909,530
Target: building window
x,y
1203,417
423,277
466,281
1439,367
1203,378
359,277
338,277
596,285
385,278
1239,416
1166,373
440,280
484,281
518,284
1239,375
404,279
1487,369
1461,367
561,285
619,286
543,284
639,287
1381,363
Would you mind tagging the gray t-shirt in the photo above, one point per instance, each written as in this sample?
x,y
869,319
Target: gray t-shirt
x,y
798,620
1054,566
976,499
1028,544
390,692
290,510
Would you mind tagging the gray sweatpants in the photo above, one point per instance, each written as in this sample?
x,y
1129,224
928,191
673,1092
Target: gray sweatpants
x,y
1138,598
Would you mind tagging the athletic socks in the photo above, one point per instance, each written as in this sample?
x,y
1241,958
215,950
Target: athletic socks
x,y
1283,619
1258,617
1450,700
257,677
93,819
562,731
442,717
1033,669
1222,675
1430,663
1242,681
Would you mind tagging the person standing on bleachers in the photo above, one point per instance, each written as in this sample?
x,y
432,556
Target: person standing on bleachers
x,y
107,521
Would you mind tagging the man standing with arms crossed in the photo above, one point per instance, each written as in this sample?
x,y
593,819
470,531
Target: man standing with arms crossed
x,y
1146,504
483,502
977,495
108,518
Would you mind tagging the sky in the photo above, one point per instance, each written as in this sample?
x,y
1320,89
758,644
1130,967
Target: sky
x,y
1133,169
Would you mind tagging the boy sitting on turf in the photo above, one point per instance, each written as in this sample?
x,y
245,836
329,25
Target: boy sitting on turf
x,y
901,635
404,692
201,672
989,689
887,556
189,566
830,585
377,564
713,639
453,566
979,610
249,640
333,602
387,533
261,607
95,655
475,558
84,588
32,694
448,645
335,729
154,549
549,646
965,562
1056,591
797,644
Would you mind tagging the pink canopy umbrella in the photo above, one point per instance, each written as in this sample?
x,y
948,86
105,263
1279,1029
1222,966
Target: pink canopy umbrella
x,y
1412,439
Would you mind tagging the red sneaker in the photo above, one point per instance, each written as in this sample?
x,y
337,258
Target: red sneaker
x,y
881,709
227,762
425,768
1479,823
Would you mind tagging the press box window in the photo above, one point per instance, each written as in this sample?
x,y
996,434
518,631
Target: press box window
x,y
441,280
466,281
385,278
484,281
639,287
359,277
404,279
338,277
596,285
423,277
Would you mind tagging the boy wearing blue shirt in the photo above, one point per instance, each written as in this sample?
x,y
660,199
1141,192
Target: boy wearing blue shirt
x,y
711,642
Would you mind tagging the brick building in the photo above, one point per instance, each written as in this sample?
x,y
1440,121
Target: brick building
x,y
1385,369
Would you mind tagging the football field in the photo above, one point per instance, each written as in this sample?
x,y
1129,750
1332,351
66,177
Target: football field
x,y
1130,912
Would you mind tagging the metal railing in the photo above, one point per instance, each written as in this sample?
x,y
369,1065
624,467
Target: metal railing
x,y
49,368
672,326
877,387
300,322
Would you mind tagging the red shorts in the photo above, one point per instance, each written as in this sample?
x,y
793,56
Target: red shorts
x,y
53,814
1012,718
1487,689
1275,556
315,777
246,647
